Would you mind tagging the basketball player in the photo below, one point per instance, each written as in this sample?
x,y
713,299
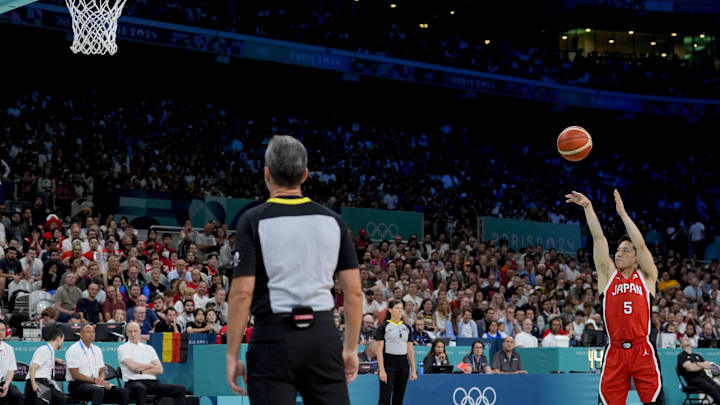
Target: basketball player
x,y
627,287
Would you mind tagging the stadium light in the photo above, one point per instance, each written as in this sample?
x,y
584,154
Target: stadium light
x,y
631,32
564,37
423,25
611,41
393,5
664,55
487,42
702,35
452,12
695,45
673,34
653,43
588,29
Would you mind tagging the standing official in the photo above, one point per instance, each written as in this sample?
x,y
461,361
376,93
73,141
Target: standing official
x,y
140,365
396,356
9,394
86,374
288,252
40,386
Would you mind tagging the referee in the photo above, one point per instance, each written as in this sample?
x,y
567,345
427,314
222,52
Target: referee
x,y
288,252
394,347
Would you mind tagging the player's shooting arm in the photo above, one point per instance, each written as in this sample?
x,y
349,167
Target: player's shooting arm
x,y
644,257
601,252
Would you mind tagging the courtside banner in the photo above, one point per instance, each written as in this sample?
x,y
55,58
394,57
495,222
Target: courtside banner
x,y
383,224
564,238
146,208
474,389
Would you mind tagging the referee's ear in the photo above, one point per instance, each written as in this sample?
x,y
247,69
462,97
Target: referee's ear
x,y
304,176
268,177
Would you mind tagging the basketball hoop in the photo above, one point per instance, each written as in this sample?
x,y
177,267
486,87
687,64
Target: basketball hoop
x,y
94,23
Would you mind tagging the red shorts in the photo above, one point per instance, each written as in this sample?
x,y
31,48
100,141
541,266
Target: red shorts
x,y
640,363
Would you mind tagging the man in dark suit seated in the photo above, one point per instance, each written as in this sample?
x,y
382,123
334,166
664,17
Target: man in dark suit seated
x,y
691,366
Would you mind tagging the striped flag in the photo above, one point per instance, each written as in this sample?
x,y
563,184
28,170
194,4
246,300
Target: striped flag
x,y
174,347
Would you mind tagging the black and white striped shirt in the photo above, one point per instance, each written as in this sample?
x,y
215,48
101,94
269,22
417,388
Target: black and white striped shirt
x,y
294,247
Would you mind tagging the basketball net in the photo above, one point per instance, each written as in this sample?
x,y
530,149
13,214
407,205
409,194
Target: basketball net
x,y
94,23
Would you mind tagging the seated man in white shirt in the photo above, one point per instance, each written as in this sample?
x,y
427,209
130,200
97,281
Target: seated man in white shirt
x,y
10,394
42,371
525,338
86,372
140,367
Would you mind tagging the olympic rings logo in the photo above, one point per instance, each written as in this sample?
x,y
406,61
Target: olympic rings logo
x,y
381,231
482,397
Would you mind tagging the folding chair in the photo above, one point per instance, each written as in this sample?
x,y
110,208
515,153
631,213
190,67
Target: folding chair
x,y
692,394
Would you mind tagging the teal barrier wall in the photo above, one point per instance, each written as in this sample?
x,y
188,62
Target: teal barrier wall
x,y
174,373
24,352
204,373
543,360
519,233
574,389
383,224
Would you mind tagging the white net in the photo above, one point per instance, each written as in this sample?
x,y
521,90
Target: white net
x,y
94,23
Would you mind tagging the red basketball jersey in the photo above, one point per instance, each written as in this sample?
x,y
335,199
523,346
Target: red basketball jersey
x,y
626,307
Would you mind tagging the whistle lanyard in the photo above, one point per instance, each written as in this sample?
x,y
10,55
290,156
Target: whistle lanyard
x,y
91,358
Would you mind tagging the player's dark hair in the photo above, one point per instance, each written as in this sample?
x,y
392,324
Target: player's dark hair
x,y
626,238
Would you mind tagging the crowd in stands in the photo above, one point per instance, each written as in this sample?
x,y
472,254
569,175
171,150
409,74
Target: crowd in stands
x,y
458,286
474,289
104,273
324,25
355,161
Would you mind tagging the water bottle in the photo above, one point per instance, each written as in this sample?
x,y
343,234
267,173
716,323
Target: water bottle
x,y
421,370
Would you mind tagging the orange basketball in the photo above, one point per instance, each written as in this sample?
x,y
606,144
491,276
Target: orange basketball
x,y
574,143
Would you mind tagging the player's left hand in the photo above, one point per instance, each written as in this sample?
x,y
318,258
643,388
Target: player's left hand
x,y
413,376
619,206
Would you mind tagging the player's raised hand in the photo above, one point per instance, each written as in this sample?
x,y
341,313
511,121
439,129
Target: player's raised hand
x,y
578,199
619,206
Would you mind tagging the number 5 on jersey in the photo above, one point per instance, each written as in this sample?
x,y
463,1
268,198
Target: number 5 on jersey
x,y
627,307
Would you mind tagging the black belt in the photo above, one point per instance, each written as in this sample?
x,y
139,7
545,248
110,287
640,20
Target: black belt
x,y
287,317
628,344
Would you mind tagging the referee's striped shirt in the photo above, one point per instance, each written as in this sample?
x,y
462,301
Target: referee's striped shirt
x,y
293,246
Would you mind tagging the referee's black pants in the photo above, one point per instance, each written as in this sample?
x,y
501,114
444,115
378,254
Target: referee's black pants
x,y
398,371
283,360
139,390
31,398
13,396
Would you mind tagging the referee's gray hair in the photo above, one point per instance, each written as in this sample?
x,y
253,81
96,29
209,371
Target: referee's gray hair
x,y
286,158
